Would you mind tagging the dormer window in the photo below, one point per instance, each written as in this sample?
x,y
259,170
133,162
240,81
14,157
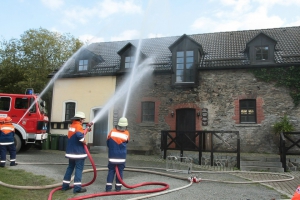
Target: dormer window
x,y
129,61
262,53
261,49
184,66
83,65
129,56
186,56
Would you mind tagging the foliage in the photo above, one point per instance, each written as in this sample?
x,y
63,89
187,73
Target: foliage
x,y
282,76
26,62
21,177
283,125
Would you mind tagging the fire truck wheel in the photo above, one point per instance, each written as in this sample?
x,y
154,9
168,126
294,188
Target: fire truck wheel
x,y
18,142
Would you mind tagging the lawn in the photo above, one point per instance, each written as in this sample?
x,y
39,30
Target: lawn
x,y
23,178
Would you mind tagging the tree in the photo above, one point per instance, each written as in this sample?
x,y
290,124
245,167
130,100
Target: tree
x,y
10,71
26,63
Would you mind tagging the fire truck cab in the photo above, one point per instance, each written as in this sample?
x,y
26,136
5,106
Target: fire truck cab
x,y
29,117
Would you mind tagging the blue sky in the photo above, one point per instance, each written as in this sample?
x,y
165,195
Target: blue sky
x,y
115,20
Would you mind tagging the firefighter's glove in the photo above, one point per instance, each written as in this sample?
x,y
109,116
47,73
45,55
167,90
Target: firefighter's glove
x,y
89,129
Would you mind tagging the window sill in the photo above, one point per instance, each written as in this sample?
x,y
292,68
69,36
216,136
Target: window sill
x,y
145,124
248,125
184,84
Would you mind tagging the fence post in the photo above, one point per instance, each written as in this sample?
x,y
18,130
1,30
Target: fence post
x,y
164,143
238,156
211,149
200,147
282,147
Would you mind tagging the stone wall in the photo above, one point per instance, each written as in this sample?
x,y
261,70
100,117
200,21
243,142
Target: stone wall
x,y
218,91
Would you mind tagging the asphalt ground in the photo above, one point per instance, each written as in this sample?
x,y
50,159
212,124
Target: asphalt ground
x,y
214,184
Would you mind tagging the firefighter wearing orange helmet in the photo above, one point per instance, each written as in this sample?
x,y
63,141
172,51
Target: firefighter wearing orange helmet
x,y
7,142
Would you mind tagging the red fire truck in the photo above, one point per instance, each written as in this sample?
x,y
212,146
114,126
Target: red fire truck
x,y
28,113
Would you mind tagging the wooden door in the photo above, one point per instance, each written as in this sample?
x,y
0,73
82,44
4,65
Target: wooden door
x,y
186,124
100,129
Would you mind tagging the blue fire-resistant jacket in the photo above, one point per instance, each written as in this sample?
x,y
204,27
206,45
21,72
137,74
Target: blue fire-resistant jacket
x,y
7,132
117,146
75,148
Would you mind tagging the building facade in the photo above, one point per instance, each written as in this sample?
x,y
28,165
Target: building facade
x,y
192,82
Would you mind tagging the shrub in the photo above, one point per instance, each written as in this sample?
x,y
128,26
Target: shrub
x,y
283,126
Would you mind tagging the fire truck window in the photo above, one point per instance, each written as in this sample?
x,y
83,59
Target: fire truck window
x,y
32,105
21,103
5,103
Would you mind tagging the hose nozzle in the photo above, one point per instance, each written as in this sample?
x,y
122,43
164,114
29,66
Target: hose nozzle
x,y
90,124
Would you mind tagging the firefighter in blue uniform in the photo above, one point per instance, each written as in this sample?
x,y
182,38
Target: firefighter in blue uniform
x,y
117,141
76,153
7,141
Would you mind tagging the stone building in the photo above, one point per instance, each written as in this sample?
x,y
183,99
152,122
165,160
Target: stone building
x,y
188,82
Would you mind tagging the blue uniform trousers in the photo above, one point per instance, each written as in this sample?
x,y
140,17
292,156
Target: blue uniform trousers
x,y
78,165
11,148
111,175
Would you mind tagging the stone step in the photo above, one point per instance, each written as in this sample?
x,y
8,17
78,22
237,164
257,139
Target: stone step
x,y
262,164
262,169
258,163
261,159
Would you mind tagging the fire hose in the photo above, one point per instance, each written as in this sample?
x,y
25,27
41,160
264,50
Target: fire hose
x,y
144,170
166,186
157,192
90,158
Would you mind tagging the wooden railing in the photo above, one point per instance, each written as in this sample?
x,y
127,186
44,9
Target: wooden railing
x,y
286,138
201,141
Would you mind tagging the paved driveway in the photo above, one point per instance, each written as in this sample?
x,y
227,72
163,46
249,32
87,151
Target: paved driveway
x,y
52,163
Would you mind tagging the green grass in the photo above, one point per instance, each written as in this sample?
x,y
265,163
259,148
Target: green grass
x,y
23,178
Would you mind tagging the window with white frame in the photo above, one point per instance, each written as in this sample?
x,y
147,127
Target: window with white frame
x,y
184,66
83,65
69,110
129,61
262,53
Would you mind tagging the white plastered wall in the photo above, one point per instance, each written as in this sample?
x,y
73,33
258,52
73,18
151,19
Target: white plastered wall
x,y
88,93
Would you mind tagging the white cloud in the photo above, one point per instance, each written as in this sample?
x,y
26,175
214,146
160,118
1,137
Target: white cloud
x,y
260,19
53,4
295,23
231,19
269,3
155,35
126,35
104,9
78,15
110,7
90,39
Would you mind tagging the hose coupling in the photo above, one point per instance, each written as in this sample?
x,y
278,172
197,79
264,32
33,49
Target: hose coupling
x,y
194,179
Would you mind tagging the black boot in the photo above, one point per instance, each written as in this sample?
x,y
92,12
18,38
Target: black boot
x,y
80,191
13,164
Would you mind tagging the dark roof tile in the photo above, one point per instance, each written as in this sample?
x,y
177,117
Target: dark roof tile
x,y
222,49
